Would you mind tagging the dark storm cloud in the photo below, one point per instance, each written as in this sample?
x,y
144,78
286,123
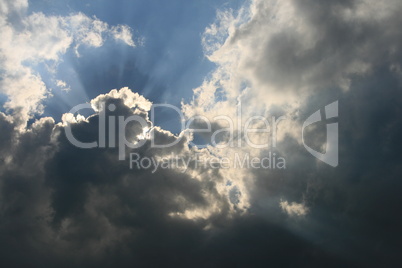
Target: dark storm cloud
x,y
354,209
88,203
62,206
67,206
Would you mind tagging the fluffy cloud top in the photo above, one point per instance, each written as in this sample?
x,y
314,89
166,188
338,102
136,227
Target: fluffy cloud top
x,y
32,39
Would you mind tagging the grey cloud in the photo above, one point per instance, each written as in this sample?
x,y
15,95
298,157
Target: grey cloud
x,y
318,45
64,206
67,206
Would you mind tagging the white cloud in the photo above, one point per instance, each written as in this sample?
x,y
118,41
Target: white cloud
x,y
278,54
274,55
30,39
123,33
293,209
131,99
63,85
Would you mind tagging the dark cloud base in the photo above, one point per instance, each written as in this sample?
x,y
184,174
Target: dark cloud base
x,y
62,206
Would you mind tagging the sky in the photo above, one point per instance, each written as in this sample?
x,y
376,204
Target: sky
x,y
257,133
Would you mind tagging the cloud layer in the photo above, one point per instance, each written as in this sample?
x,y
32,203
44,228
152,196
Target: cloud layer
x,y
65,206
33,39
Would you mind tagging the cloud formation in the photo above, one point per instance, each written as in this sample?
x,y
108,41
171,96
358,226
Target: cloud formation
x,y
33,39
66,206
